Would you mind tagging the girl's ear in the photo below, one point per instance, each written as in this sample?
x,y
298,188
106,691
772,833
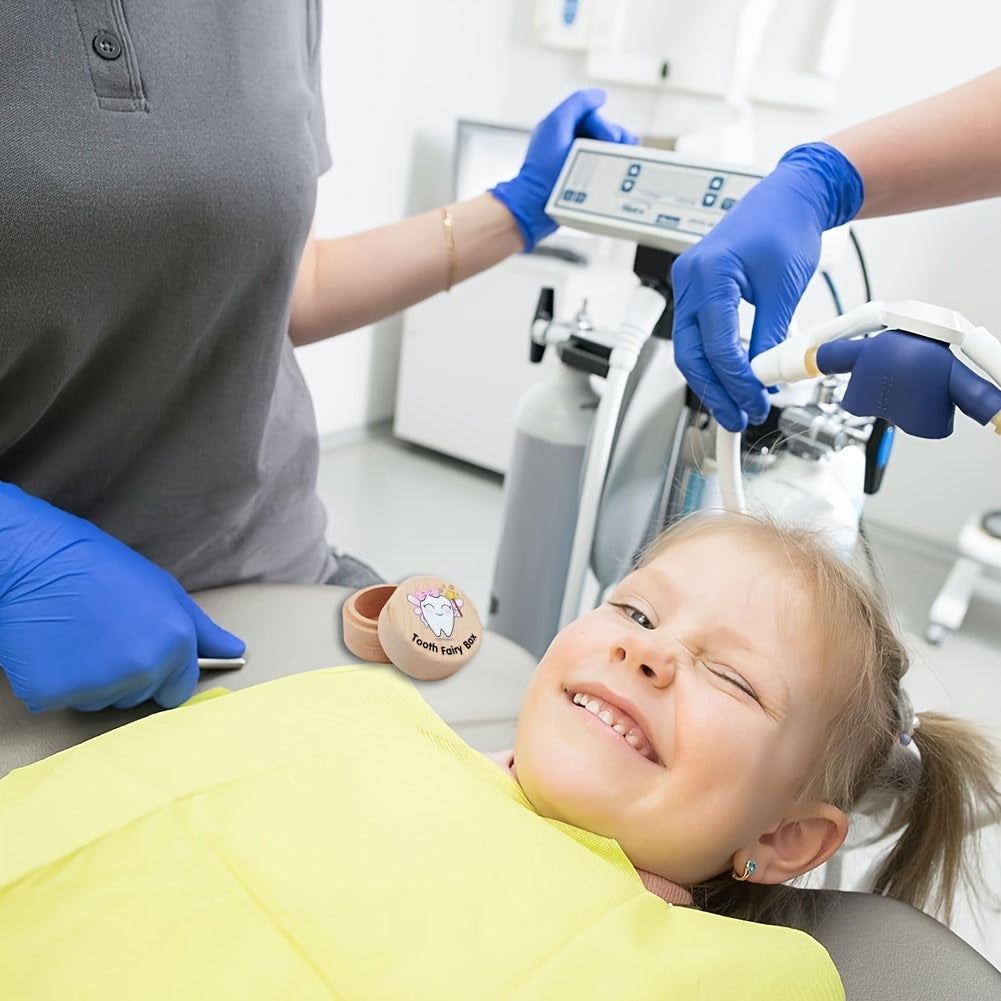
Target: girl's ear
x,y
798,844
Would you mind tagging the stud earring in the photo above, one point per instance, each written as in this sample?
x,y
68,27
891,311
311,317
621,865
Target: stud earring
x,y
749,866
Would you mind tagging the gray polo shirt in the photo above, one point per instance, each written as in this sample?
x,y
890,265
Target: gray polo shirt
x,y
158,166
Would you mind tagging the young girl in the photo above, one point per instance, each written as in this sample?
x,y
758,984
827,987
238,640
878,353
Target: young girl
x,y
697,739
748,684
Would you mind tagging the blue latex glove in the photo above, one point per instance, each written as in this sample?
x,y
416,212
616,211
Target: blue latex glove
x,y
526,195
765,250
86,622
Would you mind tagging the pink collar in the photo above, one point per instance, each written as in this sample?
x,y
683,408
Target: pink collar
x,y
657,885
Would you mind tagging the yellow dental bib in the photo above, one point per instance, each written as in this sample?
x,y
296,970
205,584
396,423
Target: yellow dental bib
x,y
328,836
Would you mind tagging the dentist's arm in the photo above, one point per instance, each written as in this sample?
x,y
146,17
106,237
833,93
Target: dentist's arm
x,y
939,151
349,281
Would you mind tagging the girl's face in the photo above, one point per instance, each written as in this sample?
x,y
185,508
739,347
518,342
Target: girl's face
x,y
681,717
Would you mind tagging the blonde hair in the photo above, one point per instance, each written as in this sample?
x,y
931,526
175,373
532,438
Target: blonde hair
x,y
936,802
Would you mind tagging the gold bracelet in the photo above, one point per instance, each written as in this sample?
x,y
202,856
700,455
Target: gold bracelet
x,y
446,222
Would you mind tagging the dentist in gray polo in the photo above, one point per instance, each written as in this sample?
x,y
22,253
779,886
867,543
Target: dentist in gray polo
x,y
157,268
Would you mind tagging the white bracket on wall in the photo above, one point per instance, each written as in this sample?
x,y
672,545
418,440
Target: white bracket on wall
x,y
563,24
711,49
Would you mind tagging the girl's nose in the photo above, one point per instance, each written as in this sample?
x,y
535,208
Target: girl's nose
x,y
655,660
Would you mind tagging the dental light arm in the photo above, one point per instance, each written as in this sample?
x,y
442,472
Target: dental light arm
x,y
903,370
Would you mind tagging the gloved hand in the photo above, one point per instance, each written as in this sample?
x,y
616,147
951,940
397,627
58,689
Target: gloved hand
x,y
526,195
86,622
765,250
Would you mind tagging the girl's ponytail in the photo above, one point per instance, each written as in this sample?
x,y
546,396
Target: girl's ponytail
x,y
954,795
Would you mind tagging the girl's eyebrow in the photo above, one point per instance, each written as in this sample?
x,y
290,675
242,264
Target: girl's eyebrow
x,y
733,638
662,577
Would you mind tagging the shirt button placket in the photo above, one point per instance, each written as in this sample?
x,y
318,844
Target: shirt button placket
x,y
111,56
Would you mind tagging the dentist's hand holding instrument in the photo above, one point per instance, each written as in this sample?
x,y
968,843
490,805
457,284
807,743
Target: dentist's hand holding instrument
x,y
765,251
86,622
940,151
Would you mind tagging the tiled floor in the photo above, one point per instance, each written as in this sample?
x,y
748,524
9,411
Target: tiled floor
x,y
409,511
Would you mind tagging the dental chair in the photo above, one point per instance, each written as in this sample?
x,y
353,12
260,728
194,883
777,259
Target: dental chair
x,y
884,950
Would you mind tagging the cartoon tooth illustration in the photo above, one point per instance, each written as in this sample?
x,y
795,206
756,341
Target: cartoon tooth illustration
x,y
437,608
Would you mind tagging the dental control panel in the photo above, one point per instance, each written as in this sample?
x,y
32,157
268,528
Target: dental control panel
x,y
654,197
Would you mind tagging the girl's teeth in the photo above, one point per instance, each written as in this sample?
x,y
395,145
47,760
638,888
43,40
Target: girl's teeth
x,y
633,737
605,715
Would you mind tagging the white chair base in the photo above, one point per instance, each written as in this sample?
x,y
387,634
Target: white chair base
x,y
971,574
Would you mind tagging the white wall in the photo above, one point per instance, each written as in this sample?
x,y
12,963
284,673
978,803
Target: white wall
x,y
397,75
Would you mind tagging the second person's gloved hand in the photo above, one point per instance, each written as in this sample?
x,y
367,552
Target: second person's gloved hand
x,y
526,195
765,250
86,622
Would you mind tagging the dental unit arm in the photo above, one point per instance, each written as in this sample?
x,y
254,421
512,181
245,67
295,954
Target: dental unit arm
x,y
664,203
901,364
644,311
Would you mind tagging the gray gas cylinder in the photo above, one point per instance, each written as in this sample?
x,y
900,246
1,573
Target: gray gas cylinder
x,y
541,493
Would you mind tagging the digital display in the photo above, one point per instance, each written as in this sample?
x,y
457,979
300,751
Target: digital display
x,y
627,191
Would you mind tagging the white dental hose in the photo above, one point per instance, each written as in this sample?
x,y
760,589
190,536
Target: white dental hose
x,y
791,359
644,310
731,483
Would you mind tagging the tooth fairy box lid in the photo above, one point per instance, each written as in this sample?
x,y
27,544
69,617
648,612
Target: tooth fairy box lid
x,y
425,626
